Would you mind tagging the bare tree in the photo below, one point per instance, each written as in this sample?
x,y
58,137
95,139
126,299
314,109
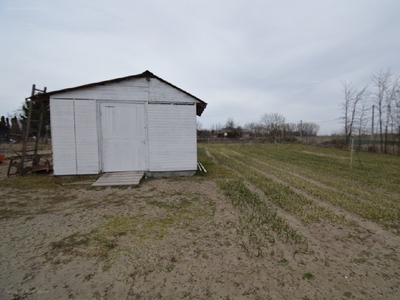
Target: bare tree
x,y
254,128
292,129
308,128
199,125
352,97
230,124
273,123
397,116
381,82
396,112
362,117
15,129
216,127
232,130
391,102
349,91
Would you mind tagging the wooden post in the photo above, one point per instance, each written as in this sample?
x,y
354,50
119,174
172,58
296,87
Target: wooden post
x,y
372,123
27,129
35,160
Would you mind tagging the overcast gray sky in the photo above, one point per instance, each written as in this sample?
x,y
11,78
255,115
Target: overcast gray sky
x,y
244,58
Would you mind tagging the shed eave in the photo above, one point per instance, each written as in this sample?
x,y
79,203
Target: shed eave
x,y
200,104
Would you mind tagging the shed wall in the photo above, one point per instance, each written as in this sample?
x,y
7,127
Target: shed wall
x,y
136,89
170,121
160,91
126,90
123,131
87,147
172,137
63,137
74,136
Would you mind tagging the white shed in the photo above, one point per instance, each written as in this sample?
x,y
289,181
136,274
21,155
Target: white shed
x,y
134,123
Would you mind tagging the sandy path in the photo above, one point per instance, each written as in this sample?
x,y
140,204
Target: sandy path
x,y
174,239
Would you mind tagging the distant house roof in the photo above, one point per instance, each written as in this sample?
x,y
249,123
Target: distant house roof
x,y
200,106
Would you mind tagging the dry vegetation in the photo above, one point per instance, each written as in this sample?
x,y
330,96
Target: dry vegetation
x,y
265,222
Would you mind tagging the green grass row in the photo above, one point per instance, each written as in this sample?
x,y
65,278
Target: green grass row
x,y
260,225
382,171
379,210
281,195
334,178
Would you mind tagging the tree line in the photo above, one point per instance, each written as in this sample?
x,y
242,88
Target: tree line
x,y
9,127
13,127
372,109
271,125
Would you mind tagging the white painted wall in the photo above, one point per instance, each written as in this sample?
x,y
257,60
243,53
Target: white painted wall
x,y
172,137
63,137
74,136
160,91
169,130
87,147
123,131
128,90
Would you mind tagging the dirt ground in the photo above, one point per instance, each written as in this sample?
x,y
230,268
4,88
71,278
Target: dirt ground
x,y
173,239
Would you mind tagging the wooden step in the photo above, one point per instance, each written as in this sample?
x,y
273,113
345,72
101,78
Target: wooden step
x,y
119,178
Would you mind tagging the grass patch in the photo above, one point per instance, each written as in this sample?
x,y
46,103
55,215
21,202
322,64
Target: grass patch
x,y
308,275
260,225
280,194
214,169
31,182
134,231
327,177
35,182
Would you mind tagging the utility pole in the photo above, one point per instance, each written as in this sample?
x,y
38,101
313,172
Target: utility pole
x,y
386,137
372,126
301,130
351,152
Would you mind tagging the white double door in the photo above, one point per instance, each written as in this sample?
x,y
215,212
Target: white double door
x,y
123,134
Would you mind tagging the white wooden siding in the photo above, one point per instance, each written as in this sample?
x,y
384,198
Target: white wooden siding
x,y
172,137
123,137
160,91
86,143
74,137
136,89
63,136
87,147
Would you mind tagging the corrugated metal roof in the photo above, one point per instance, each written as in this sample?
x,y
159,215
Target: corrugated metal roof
x,y
200,106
